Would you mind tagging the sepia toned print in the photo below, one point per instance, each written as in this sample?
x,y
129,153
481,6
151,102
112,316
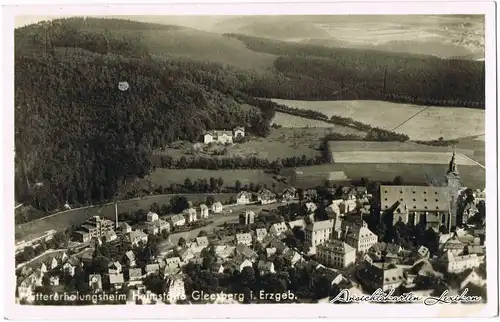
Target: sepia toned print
x,y
250,160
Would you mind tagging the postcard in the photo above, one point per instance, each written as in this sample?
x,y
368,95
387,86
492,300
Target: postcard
x,y
289,161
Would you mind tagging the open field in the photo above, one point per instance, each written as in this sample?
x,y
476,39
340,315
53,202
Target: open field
x,y
398,157
434,122
64,220
338,146
472,176
166,177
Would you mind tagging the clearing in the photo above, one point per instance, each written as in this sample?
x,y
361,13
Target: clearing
x,y
430,124
399,157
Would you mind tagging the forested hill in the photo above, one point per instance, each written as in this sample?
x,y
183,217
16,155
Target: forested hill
x,y
81,136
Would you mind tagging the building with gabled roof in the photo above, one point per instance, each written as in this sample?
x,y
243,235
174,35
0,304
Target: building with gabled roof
x,y
190,215
217,207
243,198
95,282
202,241
318,233
361,238
217,136
278,229
265,196
245,251
311,207
336,254
260,233
265,267
152,216
203,211
380,275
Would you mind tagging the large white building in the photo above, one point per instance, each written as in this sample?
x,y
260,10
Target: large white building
x,y
336,254
361,238
318,233
458,263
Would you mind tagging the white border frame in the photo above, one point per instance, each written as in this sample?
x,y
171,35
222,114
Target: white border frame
x,y
294,311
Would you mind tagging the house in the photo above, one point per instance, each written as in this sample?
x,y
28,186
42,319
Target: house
x,y
377,250
472,278
224,251
54,280
278,228
244,251
116,280
336,254
244,238
469,211
292,257
361,238
152,269
301,223
317,233
43,268
247,217
81,236
265,267
130,258
109,236
173,261
177,220
176,290
333,210
222,137
311,194
380,275
217,268
270,251
95,282
423,252
347,206
124,227
311,207
239,132
458,263
190,215
114,268
265,196
260,233
453,244
162,225
217,207
243,198
170,271
288,194
135,275
152,216
136,237
203,211
239,263
271,241
202,241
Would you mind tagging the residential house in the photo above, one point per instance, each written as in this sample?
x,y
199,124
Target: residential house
x,y
152,269
336,254
217,268
203,211
43,268
472,278
288,194
202,241
95,282
162,225
186,254
453,244
224,251
479,196
244,251
176,290
217,207
266,267
265,197
311,194
247,217
292,257
135,276
110,236
423,252
124,228
116,280
377,250
190,215
239,132
222,137
271,241
333,210
114,268
130,258
239,263
458,263
380,275
318,233
177,220
54,280
173,262
361,238
270,252
260,233
135,237
278,229
311,207
243,198
244,238
469,211
152,216
301,223
81,236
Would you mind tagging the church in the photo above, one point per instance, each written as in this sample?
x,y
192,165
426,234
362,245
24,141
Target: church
x,y
436,206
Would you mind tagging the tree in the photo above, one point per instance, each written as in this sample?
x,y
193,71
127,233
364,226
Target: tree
x,y
179,204
181,242
237,185
188,184
209,201
220,182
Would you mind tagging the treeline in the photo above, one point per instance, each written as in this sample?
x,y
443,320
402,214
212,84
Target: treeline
x,y
438,142
311,72
210,163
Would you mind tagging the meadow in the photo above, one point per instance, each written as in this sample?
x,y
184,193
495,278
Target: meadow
x,y
429,124
398,157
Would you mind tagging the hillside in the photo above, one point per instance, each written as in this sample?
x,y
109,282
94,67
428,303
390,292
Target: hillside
x,y
80,136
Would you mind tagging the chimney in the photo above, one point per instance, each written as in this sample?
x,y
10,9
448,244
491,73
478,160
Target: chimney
x,y
116,215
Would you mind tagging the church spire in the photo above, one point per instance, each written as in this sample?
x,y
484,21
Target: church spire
x,y
453,166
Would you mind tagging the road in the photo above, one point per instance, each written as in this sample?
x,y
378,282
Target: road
x,y
473,161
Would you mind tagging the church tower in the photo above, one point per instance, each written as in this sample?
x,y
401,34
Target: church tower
x,y
453,184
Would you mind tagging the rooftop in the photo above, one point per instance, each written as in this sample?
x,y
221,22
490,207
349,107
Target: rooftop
x,y
414,198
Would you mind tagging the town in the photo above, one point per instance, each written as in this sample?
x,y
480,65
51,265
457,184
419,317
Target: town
x,y
311,243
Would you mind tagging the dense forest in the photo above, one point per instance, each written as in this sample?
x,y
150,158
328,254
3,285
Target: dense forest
x,y
93,99
311,72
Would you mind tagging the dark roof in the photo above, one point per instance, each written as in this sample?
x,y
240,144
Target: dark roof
x,y
414,198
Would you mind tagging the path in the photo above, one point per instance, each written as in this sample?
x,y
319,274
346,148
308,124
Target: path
x,y
473,161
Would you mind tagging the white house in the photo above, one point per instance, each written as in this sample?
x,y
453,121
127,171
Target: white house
x,y
318,233
361,238
336,254
176,290
243,198
260,233
177,220
203,211
311,207
265,267
239,132
190,215
217,207
152,216
458,263
245,239
278,228
472,278
218,137
135,237
265,196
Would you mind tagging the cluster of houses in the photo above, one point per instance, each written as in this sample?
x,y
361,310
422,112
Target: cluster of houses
x,y
223,137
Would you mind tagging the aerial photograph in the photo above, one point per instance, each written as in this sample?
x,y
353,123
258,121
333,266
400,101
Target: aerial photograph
x,y
309,159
